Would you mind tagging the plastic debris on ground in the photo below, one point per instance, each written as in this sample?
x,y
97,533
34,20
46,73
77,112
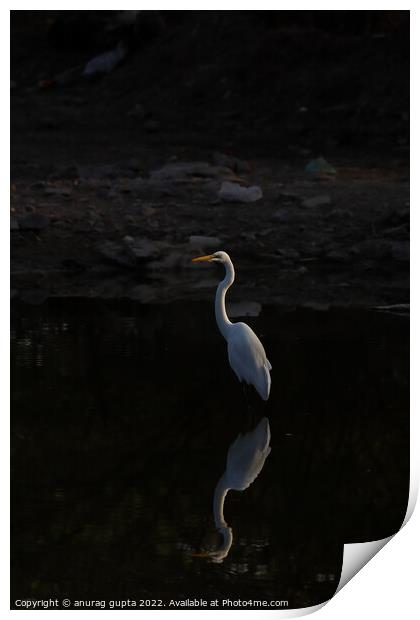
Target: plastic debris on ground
x,y
319,168
232,192
105,63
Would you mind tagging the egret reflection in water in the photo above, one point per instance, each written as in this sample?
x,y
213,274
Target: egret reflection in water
x,y
93,494
245,460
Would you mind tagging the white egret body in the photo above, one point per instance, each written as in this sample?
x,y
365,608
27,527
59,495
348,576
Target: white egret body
x,y
246,353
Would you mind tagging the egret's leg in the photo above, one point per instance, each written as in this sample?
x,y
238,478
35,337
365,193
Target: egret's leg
x,y
249,410
245,394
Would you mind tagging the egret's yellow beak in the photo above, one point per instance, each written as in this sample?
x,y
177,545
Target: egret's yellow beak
x,y
200,259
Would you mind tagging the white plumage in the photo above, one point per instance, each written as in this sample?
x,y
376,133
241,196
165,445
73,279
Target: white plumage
x,y
245,351
246,456
248,359
245,460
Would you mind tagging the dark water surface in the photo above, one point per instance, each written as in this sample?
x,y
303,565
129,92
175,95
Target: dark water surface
x,y
122,416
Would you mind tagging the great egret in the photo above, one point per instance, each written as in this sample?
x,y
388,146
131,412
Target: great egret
x,y
246,353
245,460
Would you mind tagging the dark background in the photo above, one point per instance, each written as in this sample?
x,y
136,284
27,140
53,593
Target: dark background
x,y
228,76
124,405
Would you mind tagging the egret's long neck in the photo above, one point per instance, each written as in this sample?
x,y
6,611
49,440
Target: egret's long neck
x,y
220,493
221,316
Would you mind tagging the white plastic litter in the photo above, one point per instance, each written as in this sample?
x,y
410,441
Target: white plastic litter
x,y
232,192
105,63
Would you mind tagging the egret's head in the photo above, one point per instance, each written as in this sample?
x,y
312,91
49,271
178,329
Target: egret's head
x,y
217,257
219,554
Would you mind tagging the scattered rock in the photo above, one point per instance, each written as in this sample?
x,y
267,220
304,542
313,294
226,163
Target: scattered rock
x,y
148,211
395,217
144,293
282,216
401,232
57,191
266,232
199,242
373,248
151,126
46,84
79,101
34,221
243,308
143,249
73,265
137,111
132,164
67,77
205,283
132,185
338,256
171,260
342,214
115,253
288,254
232,192
301,150
187,171
316,305
49,122
249,236
315,249
64,172
97,172
317,201
228,161
35,297
290,196
401,250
